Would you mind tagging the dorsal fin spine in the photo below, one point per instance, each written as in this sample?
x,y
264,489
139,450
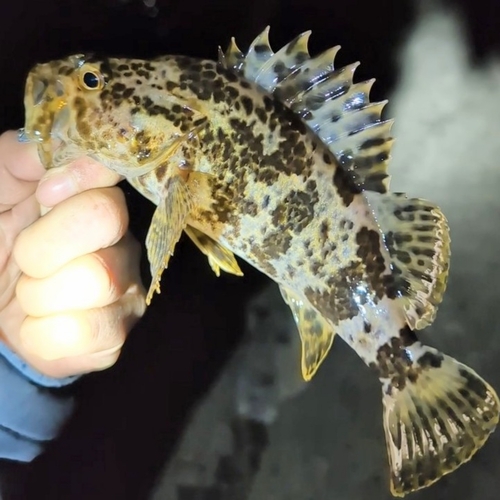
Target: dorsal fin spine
x,y
336,109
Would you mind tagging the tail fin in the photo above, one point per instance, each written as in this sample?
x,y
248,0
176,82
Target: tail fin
x,y
436,420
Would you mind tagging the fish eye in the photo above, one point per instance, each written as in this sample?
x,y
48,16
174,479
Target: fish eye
x,y
91,80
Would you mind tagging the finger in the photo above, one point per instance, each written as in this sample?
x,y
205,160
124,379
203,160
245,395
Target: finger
x,y
82,174
91,281
80,225
20,170
13,221
80,341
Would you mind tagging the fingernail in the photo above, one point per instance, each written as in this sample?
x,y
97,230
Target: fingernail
x,y
55,188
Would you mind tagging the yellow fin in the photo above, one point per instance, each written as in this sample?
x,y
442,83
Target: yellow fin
x,y
437,420
417,237
218,256
169,220
316,334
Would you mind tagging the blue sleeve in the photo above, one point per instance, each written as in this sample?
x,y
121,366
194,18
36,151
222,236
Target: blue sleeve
x,y
33,407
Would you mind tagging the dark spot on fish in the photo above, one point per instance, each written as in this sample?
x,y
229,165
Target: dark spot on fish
x,y
407,336
299,149
404,257
247,104
170,86
371,143
160,173
327,158
346,188
228,74
474,384
128,93
430,360
395,364
261,114
280,69
369,251
261,48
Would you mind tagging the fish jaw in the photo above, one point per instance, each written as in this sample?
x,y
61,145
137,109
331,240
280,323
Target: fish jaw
x,y
47,113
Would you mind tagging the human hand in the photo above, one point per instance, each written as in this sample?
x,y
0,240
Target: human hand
x,y
70,288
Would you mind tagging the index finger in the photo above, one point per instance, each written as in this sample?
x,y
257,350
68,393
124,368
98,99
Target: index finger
x,y
20,170
80,225
80,175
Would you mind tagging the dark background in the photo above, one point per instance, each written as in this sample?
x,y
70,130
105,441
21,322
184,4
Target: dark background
x,y
130,417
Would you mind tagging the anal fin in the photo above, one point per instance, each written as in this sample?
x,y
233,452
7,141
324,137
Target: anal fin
x,y
169,220
417,237
218,256
435,419
316,334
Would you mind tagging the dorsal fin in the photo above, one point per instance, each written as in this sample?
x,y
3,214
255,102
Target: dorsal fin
x,y
336,109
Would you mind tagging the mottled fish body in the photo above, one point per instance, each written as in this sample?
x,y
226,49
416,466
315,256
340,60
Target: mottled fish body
x,y
281,159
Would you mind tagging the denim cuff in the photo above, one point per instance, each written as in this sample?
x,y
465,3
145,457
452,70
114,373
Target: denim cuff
x,y
33,407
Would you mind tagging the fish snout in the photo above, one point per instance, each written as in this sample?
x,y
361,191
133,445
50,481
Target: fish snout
x,y
45,103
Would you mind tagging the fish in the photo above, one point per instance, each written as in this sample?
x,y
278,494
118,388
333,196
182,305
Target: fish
x,y
281,159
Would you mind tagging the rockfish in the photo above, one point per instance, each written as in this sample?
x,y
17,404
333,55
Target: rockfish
x,y
281,159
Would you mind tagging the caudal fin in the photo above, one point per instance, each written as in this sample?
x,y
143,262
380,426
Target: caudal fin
x,y
436,420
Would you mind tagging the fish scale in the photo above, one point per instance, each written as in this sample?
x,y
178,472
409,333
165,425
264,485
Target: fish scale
x,y
281,159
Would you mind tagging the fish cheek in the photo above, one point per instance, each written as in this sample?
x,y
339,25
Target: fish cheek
x,y
80,107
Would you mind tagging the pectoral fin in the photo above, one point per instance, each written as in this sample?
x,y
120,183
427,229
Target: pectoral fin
x,y
218,256
169,220
316,334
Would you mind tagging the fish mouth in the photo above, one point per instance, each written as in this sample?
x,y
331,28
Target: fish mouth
x,y
45,103
46,113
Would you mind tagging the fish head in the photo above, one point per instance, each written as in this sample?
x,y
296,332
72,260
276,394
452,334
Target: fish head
x,y
46,97
113,110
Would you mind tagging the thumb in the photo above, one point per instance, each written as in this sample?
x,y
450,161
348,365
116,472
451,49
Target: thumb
x,y
20,170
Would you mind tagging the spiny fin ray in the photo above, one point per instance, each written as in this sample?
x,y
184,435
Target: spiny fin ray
x,y
336,109
218,256
169,220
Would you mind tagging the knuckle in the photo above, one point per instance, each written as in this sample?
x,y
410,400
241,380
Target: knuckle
x,y
107,328
104,282
23,293
21,252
